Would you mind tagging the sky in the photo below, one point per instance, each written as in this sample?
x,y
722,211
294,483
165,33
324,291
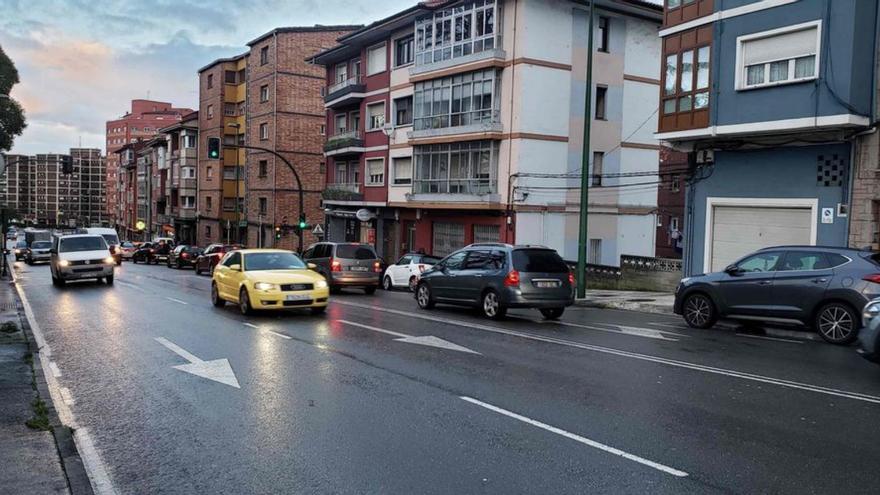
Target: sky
x,y
82,61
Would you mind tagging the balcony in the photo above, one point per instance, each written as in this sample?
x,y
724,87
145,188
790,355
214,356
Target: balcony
x,y
343,191
477,124
344,143
186,213
345,92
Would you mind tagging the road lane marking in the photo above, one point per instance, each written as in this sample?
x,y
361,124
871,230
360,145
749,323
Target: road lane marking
x,y
94,465
288,337
178,301
428,340
634,355
218,370
251,325
578,438
621,329
56,371
132,286
769,338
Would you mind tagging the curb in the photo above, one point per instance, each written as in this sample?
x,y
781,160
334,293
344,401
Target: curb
x,y
77,479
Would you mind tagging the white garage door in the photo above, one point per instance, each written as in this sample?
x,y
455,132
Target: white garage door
x,y
739,230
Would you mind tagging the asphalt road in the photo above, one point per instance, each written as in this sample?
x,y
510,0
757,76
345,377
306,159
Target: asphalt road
x,y
356,401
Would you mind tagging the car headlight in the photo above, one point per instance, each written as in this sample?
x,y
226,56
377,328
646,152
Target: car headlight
x,y
321,284
265,286
109,260
871,311
63,263
18,251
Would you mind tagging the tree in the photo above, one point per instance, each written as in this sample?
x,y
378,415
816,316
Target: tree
x,y
12,122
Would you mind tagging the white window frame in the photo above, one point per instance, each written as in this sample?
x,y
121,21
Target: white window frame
x,y
368,180
384,49
264,127
393,170
369,122
740,77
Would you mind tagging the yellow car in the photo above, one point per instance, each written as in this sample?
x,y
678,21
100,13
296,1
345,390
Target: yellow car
x,y
268,279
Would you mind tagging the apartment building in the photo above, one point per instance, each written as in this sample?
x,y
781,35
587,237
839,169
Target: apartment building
x,y
127,219
177,166
774,99
41,193
141,122
455,122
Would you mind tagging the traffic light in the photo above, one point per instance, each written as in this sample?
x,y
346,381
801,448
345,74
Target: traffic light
x,y
66,164
213,148
302,222
277,233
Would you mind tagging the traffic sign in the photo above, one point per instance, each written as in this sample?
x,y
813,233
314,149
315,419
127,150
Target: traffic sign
x,y
318,230
242,223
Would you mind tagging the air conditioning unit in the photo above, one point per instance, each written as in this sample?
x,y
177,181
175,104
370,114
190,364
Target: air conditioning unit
x,y
705,156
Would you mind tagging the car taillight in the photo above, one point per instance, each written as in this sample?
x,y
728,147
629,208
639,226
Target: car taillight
x,y
421,268
874,277
335,265
571,278
512,279
377,267
152,250
184,255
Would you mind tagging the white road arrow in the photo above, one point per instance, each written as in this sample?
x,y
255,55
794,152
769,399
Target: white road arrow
x,y
428,340
218,370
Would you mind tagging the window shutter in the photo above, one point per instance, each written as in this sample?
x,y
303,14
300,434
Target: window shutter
x,y
780,47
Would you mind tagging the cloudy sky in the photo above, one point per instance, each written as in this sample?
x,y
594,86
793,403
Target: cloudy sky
x,y
82,61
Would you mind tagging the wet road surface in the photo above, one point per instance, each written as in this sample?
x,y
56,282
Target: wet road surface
x,y
378,396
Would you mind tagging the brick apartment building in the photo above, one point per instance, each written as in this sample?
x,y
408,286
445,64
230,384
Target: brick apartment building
x,y
177,165
42,194
142,122
269,97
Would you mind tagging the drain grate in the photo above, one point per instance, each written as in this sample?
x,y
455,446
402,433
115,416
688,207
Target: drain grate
x,y
640,300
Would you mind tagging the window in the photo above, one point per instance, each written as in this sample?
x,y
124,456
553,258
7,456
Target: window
x,y
455,261
601,94
375,171
322,130
188,201
229,77
598,166
233,258
341,123
457,32
263,168
209,203
403,51
460,100
603,34
686,81
228,204
354,122
376,62
402,168
761,262
209,172
780,56
376,113
229,109
595,252
403,111
264,206
342,72
189,141
210,111
264,93
264,131
229,173
210,81
803,260
676,183
264,55
242,76
188,172
458,168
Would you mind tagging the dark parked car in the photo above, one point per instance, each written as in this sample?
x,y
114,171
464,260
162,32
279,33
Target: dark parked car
x,y
869,337
495,277
183,255
145,253
346,264
209,258
821,287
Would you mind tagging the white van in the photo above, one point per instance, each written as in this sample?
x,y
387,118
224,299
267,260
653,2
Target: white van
x,y
109,235
80,256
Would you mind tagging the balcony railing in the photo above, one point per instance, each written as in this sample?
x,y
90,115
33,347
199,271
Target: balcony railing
x,y
350,139
477,187
351,81
343,191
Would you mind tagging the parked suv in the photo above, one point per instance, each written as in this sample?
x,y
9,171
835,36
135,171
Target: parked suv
x,y
495,277
820,287
208,259
183,255
346,264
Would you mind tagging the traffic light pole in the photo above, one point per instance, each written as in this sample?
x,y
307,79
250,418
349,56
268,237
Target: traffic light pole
x,y
295,176
585,166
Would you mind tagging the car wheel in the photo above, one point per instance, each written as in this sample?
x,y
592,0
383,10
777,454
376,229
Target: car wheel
x,y
319,310
491,306
386,283
413,282
699,311
55,281
198,270
244,302
216,300
837,323
423,297
552,313
109,280
369,291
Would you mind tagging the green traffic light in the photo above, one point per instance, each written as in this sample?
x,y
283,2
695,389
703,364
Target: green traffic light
x,y
302,225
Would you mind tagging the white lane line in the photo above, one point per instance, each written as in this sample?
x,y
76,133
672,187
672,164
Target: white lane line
x,y
178,301
131,286
288,337
679,327
578,438
621,329
632,355
56,371
92,461
614,325
251,325
769,338
66,396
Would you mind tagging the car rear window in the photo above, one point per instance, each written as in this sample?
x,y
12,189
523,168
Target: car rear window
x,y
355,252
41,245
538,260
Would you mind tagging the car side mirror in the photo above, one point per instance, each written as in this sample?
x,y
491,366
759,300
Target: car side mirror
x,y
312,266
236,267
733,270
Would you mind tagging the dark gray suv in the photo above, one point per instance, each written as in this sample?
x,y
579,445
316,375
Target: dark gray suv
x,y
821,287
495,277
346,264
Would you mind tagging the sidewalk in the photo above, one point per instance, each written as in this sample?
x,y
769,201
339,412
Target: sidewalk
x,y
645,302
30,461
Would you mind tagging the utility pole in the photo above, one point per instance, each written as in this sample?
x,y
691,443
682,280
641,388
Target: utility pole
x,y
585,165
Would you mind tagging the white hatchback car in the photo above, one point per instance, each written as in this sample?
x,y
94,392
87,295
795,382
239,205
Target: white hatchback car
x,y
82,256
407,270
